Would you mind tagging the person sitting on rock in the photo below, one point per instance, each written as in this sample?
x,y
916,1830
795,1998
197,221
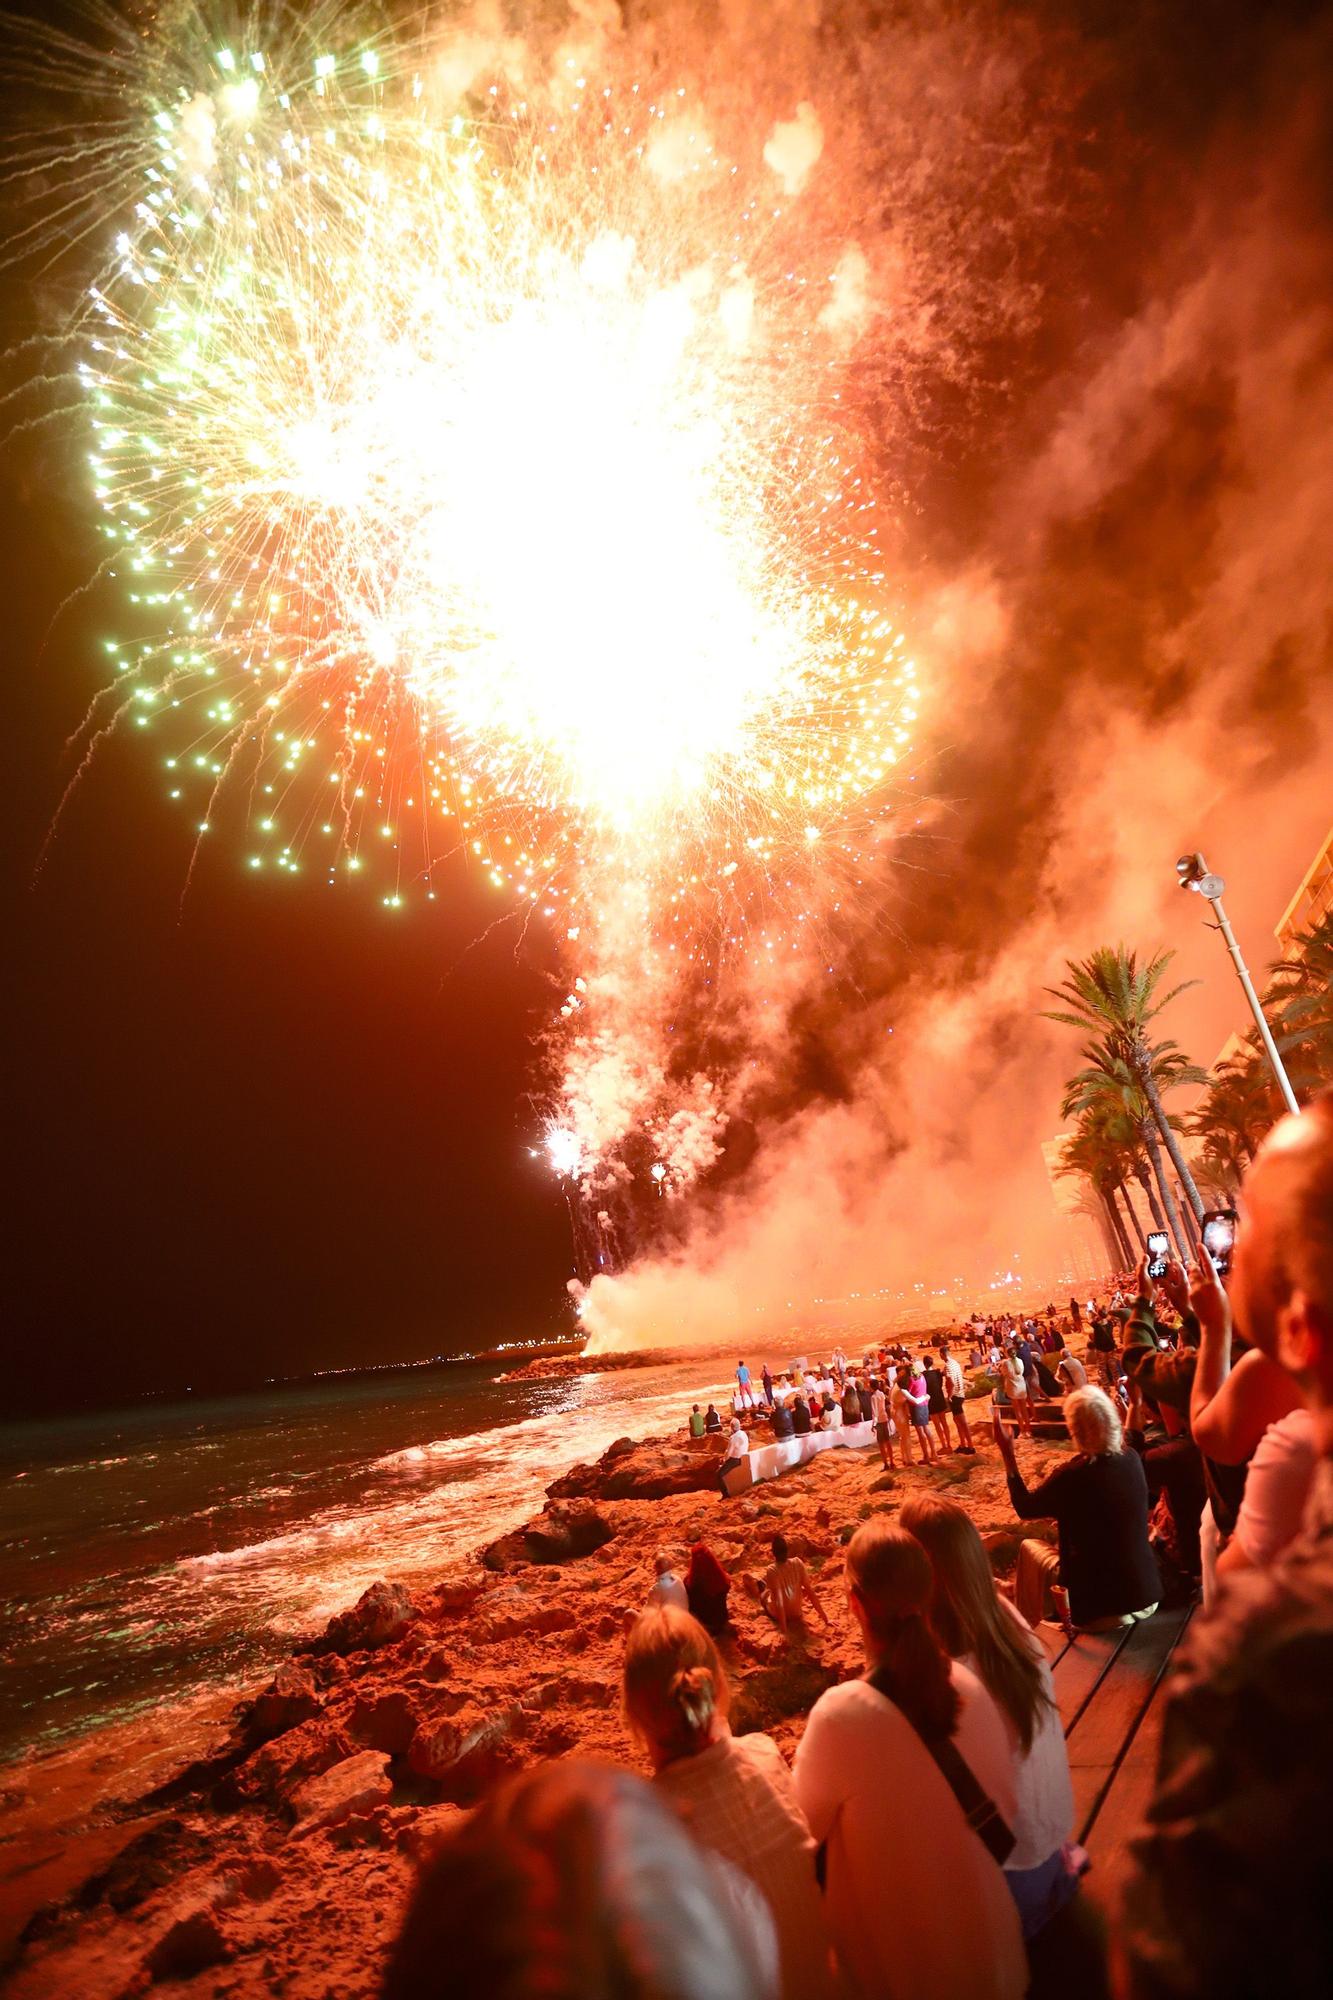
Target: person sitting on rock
x,y
576,1881
738,1447
800,1416
830,1417
697,1422
712,1421
667,1588
787,1589
783,1424
707,1586
734,1793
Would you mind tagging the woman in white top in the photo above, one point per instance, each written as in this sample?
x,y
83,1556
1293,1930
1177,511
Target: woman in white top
x,y
1014,1382
976,1625
735,1794
872,1790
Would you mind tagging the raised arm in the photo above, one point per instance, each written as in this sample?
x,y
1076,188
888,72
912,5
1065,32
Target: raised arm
x,y
1231,1408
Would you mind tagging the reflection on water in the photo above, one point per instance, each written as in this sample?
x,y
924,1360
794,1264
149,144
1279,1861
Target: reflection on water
x,y
149,1554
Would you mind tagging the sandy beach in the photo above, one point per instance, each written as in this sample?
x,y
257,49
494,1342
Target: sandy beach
x,y
270,1848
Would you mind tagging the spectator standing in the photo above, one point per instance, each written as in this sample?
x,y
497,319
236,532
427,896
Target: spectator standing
x,y
937,1402
744,1391
767,1379
976,1625
870,1782
955,1388
1228,1888
1013,1380
885,1428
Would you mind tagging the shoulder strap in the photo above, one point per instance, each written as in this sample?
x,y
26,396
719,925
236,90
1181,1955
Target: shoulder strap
x,y
979,1808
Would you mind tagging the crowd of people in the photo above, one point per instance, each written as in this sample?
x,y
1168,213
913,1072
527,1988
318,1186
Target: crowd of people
x,y
922,1841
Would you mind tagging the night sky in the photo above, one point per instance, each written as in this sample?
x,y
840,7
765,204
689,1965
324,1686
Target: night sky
x,y
258,1127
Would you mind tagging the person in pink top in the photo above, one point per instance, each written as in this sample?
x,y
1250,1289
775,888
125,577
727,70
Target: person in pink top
x,y
735,1794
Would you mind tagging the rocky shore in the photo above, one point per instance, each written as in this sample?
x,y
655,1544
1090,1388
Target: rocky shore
x,y
278,1860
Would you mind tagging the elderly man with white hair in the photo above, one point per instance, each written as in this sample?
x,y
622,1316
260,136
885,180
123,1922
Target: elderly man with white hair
x,y
1099,1502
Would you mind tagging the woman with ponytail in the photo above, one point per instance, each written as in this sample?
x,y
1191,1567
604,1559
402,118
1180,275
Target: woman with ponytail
x,y
906,1774
734,1794
979,1627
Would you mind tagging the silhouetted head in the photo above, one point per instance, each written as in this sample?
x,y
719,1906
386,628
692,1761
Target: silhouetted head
x,y
576,1882
1282,1271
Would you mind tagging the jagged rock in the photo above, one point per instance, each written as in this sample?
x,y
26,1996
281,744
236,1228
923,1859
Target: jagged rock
x,y
276,1771
259,1879
353,1786
190,1945
454,1594
576,1691
290,1698
510,1613
463,1759
385,1722
886,1483
427,1833
436,1667
566,1530
643,1472
381,1613
146,1865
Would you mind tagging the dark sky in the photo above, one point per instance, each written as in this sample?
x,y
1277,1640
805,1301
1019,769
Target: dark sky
x,y
276,1127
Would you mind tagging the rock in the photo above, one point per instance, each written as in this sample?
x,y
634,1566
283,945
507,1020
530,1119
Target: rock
x,y
353,1786
381,1613
290,1698
576,1691
259,1879
435,1667
422,1840
277,1770
511,1613
190,1945
642,1472
385,1722
146,1865
886,1483
791,1686
566,1530
454,1594
463,1760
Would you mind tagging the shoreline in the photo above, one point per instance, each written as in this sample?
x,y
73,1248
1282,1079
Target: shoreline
x,y
202,1843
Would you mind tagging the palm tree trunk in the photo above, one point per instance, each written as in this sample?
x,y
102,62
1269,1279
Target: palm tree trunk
x,y
1154,1206
1169,1139
1133,1222
1116,1242
1191,1228
1168,1199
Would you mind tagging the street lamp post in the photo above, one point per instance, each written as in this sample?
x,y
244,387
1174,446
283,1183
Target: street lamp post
x,y
1193,872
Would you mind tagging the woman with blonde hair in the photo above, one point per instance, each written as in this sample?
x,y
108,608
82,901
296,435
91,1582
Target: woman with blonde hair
x,y
735,1794
976,1625
1099,1502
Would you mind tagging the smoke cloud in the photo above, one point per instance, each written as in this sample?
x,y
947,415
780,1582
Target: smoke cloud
x,y
1113,551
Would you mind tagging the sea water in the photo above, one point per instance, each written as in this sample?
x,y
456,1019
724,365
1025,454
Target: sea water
x,y
152,1554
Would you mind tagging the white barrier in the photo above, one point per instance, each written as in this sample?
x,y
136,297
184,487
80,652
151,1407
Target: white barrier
x,y
772,1460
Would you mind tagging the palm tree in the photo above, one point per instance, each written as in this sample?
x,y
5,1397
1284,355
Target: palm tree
x,y
1301,992
1085,1156
1111,1083
1242,1103
1110,994
1118,1142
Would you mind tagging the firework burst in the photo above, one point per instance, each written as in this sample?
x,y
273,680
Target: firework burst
x,y
478,459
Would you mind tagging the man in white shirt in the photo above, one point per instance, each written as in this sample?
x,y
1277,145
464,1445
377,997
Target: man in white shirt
x,y
738,1446
955,1388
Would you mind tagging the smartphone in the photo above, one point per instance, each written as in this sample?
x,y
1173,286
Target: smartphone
x,y
1219,1237
1159,1249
